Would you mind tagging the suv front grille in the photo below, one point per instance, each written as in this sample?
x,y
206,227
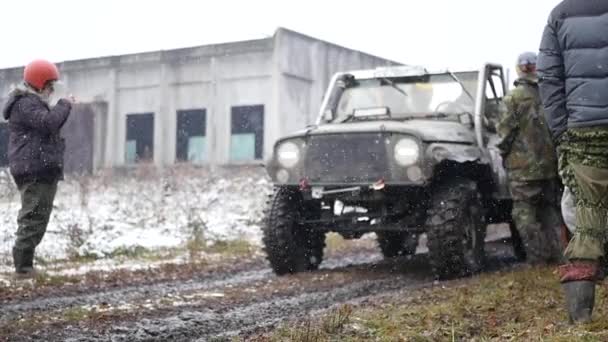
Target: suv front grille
x,y
347,158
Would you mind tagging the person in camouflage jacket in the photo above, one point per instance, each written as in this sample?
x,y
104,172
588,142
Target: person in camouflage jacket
x,y
531,164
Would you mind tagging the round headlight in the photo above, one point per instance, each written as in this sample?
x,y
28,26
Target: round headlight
x,y
288,154
406,152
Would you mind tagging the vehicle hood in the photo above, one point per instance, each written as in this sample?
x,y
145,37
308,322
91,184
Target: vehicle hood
x,y
427,130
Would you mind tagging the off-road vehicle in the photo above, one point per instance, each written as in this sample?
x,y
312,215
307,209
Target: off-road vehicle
x,y
399,151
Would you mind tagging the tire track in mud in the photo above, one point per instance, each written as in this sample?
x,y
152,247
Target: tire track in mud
x,y
14,308
350,279
202,325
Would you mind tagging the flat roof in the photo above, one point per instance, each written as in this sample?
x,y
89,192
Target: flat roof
x,y
187,53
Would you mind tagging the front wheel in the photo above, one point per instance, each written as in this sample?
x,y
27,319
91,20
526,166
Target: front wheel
x,y
456,229
290,246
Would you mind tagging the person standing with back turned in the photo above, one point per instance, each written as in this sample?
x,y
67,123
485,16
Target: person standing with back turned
x,y
573,70
531,164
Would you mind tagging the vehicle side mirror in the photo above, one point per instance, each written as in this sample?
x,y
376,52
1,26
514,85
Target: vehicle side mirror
x,y
328,115
466,119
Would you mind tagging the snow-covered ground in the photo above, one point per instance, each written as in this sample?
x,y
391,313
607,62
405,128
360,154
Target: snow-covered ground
x,y
116,212
121,210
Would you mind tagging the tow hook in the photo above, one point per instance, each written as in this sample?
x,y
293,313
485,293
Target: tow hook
x,y
379,185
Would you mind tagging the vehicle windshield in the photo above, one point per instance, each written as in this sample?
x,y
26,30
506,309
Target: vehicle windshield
x,y
409,97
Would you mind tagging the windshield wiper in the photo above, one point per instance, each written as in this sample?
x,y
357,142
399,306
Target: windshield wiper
x,y
394,86
462,86
438,115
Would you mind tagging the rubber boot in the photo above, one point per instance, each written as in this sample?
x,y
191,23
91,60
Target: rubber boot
x,y
580,298
518,245
24,262
17,259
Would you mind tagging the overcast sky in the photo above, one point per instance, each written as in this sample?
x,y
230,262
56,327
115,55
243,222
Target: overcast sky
x,y
433,33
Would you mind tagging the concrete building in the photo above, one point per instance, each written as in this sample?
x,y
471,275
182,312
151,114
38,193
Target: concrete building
x,y
215,104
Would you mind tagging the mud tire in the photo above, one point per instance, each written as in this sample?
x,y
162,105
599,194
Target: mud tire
x,y
456,229
290,246
397,244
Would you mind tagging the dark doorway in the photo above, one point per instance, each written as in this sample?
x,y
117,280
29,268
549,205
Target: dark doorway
x,y
191,135
140,138
3,144
247,138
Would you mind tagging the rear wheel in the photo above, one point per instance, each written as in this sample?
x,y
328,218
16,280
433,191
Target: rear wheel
x,y
396,244
456,229
290,246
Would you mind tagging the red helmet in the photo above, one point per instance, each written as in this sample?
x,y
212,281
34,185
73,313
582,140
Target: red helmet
x,y
40,71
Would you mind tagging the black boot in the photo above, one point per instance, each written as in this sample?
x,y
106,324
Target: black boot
x,y
17,259
518,245
28,258
580,298
23,260
538,251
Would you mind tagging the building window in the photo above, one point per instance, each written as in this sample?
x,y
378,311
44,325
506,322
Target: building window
x,y
3,144
247,139
140,138
191,138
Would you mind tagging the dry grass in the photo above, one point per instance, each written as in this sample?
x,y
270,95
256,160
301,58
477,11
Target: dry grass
x,y
524,305
328,327
335,242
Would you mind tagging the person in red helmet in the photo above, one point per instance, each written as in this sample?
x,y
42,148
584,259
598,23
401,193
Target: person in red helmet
x,y
35,154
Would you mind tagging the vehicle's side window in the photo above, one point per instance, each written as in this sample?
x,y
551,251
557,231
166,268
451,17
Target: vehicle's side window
x,y
495,92
495,86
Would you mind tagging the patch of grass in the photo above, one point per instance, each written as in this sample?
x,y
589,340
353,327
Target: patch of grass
x,y
43,279
334,242
144,254
197,228
13,326
523,305
136,252
232,248
332,324
335,322
75,314
83,259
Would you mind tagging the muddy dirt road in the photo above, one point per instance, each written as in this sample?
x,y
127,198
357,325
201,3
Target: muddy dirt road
x,y
186,303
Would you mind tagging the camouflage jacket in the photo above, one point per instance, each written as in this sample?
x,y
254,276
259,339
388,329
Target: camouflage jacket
x,y
526,143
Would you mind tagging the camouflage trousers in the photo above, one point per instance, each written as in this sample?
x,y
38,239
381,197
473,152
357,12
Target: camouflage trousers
x,y
583,164
537,218
36,206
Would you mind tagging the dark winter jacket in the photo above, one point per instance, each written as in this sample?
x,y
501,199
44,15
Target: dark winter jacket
x,y
35,148
573,65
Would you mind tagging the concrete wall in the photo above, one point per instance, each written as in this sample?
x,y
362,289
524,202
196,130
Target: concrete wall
x,y
287,74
